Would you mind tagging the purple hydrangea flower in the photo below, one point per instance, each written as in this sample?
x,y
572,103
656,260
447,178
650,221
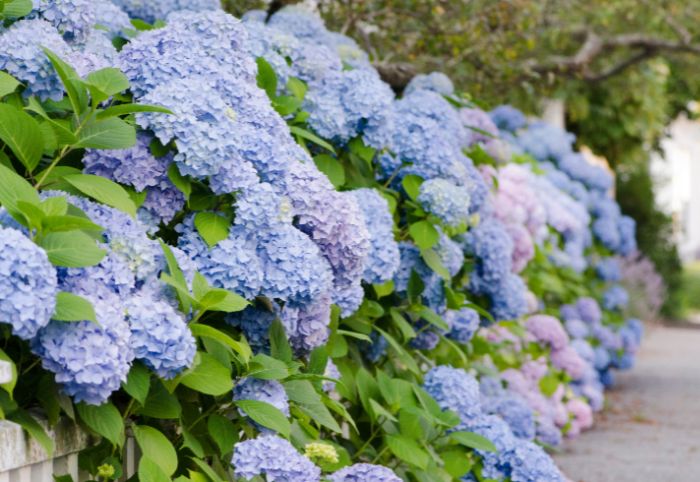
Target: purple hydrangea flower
x,y
269,391
446,200
72,18
547,329
434,81
508,118
364,473
454,389
152,11
463,324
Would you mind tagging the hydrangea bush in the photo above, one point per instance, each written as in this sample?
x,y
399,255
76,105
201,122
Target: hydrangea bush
x,y
230,240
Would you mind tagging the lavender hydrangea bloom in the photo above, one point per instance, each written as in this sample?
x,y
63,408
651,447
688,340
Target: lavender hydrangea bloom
x,y
334,221
547,329
21,56
454,389
255,323
274,458
28,284
608,269
568,360
508,118
529,462
463,324
364,473
446,200
516,412
576,328
589,310
546,142
111,19
269,391
548,433
90,360
579,169
434,81
495,464
509,298
310,323
384,258
72,18
331,371
479,126
342,104
152,11
97,52
160,336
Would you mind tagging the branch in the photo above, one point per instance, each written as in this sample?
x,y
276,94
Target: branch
x,y
594,46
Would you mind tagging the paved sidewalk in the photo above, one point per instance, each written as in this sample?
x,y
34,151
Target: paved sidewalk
x,y
651,430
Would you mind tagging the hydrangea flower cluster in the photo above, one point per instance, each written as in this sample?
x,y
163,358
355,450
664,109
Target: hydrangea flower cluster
x,y
274,458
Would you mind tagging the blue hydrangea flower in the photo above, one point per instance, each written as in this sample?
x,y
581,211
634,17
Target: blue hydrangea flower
x,y
160,336
579,169
463,324
331,371
152,11
615,298
608,269
433,293
299,22
548,433
450,253
95,53
434,81
496,465
446,200
72,18
364,473
492,247
576,328
529,462
546,142
28,284
334,221
274,458
628,239
517,414
255,323
509,298
384,258
90,360
111,19
21,56
310,323
377,349
508,118
454,389
344,103
589,310
269,391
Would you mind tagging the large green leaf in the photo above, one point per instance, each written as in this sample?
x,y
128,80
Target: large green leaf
x,y
72,249
208,376
105,420
206,331
212,227
302,392
123,109
13,188
267,78
150,471
8,84
111,133
77,94
266,415
22,135
70,307
138,383
408,450
105,83
17,8
424,234
474,441
223,432
104,190
157,447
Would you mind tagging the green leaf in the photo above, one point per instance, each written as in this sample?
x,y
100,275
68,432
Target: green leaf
x,y
411,184
407,450
106,191
456,461
177,276
206,469
404,326
68,223
105,83
71,82
138,383
112,133
208,376
105,420
9,386
267,78
212,227
157,447
219,299
432,259
8,84
404,356
17,8
124,109
160,403
54,206
150,471
549,384
190,441
415,286
33,428
309,136
22,135
279,343
223,433
206,331
424,234
297,87
32,214
434,319
266,415
474,441
70,307
302,392
267,368
180,181
332,168
72,249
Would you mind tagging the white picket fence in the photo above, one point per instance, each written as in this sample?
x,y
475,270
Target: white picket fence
x,y
22,459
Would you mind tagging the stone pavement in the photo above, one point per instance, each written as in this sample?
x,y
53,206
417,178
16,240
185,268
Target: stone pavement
x,y
651,428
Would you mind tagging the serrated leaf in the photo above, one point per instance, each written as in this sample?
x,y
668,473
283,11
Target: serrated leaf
x,y
474,441
267,368
208,376
72,249
71,307
17,8
180,181
105,420
112,133
408,450
303,393
212,227
22,135
266,415
77,94
432,259
279,343
157,447
106,191
105,83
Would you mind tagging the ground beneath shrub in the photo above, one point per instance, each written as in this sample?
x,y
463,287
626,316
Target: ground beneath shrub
x,y
651,428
